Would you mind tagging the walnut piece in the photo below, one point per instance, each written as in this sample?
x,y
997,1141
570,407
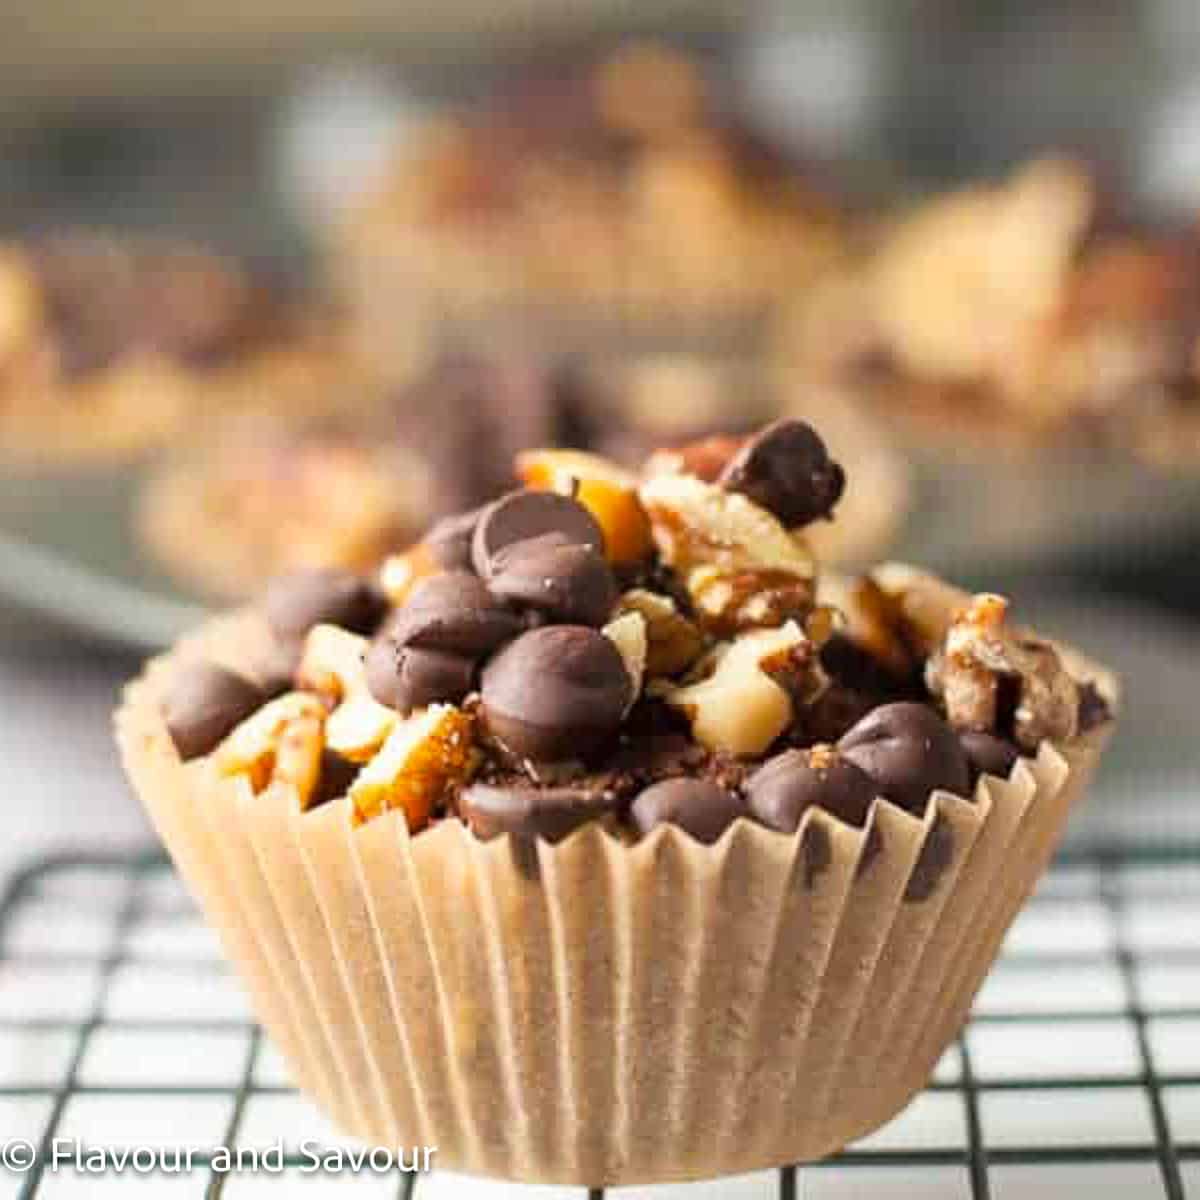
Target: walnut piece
x,y
741,567
984,665
673,642
747,700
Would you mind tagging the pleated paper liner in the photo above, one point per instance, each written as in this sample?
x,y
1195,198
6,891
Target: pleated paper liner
x,y
595,1013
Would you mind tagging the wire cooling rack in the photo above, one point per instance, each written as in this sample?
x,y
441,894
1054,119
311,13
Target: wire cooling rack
x,y
1078,1075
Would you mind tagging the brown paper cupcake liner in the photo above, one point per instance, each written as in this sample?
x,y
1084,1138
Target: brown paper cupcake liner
x,y
596,1013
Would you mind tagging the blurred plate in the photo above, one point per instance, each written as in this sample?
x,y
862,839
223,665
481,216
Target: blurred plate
x,y
67,552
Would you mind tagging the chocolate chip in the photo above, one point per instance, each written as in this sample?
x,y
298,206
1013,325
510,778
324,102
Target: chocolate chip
x,y
787,470
555,693
697,806
908,750
522,515
410,677
323,596
455,612
550,812
988,754
564,581
204,704
449,540
788,785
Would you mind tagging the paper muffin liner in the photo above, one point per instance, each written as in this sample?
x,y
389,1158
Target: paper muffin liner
x,y
592,1012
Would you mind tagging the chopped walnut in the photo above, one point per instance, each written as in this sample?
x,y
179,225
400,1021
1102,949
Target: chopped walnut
x,y
984,666
741,567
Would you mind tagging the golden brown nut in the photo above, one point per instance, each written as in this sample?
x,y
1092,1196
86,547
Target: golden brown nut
x,y
423,759
627,631
332,665
673,642
281,742
982,656
740,708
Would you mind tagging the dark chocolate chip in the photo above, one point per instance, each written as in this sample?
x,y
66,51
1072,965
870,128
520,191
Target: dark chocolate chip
x,y
410,677
555,693
787,470
788,785
204,704
988,754
564,581
908,750
449,540
323,596
522,515
697,806
454,612
936,855
550,812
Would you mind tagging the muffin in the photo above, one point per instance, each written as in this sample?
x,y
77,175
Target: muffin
x,y
601,841
114,345
265,497
1019,314
612,203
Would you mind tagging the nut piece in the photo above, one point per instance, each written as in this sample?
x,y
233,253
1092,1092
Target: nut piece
x,y
332,666
423,758
705,459
673,642
740,709
278,743
298,758
742,569
606,490
628,633
730,602
698,524
984,664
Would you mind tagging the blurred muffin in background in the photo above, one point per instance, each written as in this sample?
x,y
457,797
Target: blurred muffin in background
x,y
614,204
1018,314
113,345
262,499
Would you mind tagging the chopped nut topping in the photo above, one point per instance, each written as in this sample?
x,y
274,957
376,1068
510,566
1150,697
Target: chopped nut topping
x,y
742,569
739,708
332,666
282,742
423,758
628,633
983,661
673,642
697,524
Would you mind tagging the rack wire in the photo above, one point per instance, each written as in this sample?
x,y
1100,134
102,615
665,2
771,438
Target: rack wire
x,y
1078,1074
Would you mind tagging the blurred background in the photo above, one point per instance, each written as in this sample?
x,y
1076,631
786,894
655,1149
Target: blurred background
x,y
281,282
243,267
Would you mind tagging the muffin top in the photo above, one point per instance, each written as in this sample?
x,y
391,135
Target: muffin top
x,y
632,649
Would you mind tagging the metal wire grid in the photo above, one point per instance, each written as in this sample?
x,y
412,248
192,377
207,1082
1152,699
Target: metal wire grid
x,y
119,1025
